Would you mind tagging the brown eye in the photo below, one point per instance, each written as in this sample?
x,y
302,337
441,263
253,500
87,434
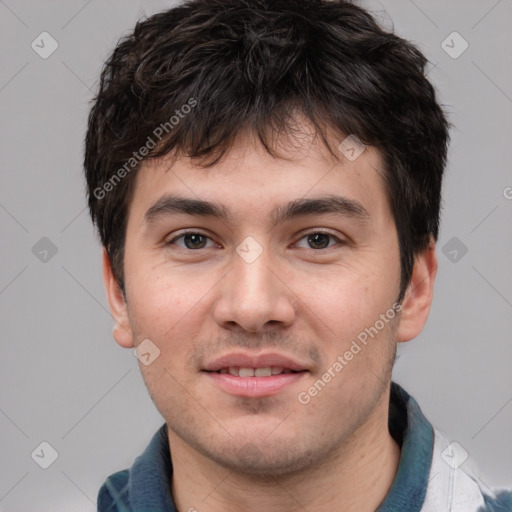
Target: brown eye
x,y
319,240
194,241
190,240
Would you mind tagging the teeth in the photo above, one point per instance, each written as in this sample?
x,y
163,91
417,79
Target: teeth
x,y
263,372
246,372
254,372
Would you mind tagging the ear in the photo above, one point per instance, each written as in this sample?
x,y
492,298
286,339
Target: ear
x,y
419,294
122,332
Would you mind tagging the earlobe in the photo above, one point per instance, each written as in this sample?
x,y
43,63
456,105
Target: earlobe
x,y
418,297
122,332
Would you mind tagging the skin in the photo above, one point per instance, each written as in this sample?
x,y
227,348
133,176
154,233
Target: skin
x,y
270,453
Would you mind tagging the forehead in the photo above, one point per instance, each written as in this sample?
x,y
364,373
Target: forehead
x,y
249,181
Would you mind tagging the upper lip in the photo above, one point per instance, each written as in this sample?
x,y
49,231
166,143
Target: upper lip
x,y
263,360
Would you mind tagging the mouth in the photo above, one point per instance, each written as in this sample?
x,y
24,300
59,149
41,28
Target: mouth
x,y
249,376
267,371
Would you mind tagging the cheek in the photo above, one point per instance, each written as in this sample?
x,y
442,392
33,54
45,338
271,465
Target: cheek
x,y
165,312
348,308
161,304
345,303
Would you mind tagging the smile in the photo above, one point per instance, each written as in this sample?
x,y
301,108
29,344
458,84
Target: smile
x,y
255,382
255,372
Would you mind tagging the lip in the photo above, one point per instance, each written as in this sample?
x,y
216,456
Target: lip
x,y
255,387
247,360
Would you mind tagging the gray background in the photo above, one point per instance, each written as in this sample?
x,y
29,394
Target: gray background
x,y
63,378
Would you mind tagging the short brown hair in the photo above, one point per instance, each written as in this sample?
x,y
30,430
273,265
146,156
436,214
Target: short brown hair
x,y
252,65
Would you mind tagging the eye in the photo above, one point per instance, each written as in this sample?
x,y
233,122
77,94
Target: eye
x,y
191,240
194,240
319,240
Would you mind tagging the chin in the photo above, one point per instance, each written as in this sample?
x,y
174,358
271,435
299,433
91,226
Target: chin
x,y
266,460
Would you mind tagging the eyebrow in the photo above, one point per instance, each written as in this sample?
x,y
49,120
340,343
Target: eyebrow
x,y
173,204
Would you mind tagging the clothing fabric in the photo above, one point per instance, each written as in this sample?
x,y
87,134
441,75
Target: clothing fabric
x,y
431,476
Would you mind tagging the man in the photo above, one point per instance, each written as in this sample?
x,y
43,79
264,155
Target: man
x,y
265,177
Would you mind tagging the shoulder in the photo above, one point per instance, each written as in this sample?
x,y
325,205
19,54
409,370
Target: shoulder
x,y
113,495
455,484
144,484
500,502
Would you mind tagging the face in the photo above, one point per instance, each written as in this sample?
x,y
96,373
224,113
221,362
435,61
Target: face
x,y
260,300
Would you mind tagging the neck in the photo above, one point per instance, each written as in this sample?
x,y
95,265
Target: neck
x,y
354,478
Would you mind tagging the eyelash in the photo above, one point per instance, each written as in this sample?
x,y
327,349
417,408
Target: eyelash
x,y
191,232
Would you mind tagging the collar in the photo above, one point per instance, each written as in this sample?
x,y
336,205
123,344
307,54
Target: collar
x,y
415,434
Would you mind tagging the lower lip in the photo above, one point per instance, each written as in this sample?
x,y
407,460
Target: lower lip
x,y
254,387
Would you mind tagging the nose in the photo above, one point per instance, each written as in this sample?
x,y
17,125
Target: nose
x,y
254,297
